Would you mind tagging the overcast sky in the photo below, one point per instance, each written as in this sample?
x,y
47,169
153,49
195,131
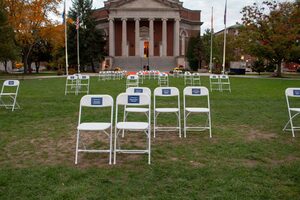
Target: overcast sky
x,y
233,10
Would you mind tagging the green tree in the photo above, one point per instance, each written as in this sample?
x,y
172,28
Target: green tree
x,y
270,30
91,42
195,53
8,50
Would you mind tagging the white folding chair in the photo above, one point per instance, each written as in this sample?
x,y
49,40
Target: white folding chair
x,y
97,102
83,84
188,78
214,81
101,75
137,99
71,84
141,77
196,79
196,91
9,93
293,109
132,81
163,80
167,92
225,83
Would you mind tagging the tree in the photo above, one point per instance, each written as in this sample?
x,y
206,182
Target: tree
x,y
258,66
8,50
29,19
195,52
91,42
270,30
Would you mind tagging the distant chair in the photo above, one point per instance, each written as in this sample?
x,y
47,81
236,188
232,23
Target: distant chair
x,y
199,92
163,80
293,109
132,81
225,83
188,78
71,84
9,93
102,76
214,82
136,99
141,77
83,84
196,79
167,93
97,102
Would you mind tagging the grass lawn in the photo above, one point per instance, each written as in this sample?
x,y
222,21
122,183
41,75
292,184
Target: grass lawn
x,y
249,156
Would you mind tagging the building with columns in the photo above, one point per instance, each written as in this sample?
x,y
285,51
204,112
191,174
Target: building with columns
x,y
147,32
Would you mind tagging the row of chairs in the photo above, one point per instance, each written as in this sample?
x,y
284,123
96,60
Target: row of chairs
x,y
111,75
9,93
219,83
137,100
77,83
135,80
192,79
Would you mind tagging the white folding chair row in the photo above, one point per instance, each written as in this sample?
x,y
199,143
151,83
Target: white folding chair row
x,y
293,109
219,82
132,81
77,83
9,93
111,75
163,80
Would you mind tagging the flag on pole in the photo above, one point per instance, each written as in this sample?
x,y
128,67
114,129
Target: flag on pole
x,y
225,12
77,23
64,13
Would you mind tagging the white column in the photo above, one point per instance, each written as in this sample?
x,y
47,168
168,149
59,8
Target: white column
x,y
151,35
164,37
137,37
111,37
124,37
176,37
183,44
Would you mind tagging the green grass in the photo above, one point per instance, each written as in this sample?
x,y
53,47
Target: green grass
x,y
249,157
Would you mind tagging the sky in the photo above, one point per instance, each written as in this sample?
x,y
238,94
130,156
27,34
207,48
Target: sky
x,y
233,10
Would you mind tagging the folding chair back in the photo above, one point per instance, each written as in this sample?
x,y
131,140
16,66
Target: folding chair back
x,y
139,90
71,84
95,101
10,89
225,83
188,78
133,99
132,81
196,91
196,79
214,81
167,92
83,83
293,109
163,80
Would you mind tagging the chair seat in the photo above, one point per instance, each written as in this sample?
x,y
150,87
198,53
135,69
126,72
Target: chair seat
x,y
132,125
166,110
197,110
295,109
7,94
138,110
93,126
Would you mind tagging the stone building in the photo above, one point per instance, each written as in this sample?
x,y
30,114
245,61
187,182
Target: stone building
x,y
147,32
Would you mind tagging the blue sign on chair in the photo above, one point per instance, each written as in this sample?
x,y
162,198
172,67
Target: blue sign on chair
x,y
296,92
166,91
196,91
11,82
134,99
131,77
138,90
97,101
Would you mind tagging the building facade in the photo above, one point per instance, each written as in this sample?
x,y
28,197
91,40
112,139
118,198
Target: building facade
x,y
147,32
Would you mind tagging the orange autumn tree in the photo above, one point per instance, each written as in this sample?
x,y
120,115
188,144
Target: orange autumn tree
x,y
29,19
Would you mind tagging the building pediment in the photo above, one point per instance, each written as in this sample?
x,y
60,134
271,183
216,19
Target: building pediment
x,y
143,4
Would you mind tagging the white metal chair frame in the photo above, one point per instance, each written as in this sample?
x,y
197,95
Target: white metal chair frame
x,y
71,84
166,92
196,91
163,80
136,99
95,101
10,94
188,78
141,77
214,81
293,111
83,84
196,79
132,81
224,83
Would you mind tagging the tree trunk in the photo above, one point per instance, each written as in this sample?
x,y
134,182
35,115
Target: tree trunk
x,y
5,66
279,69
93,66
37,66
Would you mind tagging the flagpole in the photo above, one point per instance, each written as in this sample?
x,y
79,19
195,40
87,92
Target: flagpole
x,y
225,30
66,41
77,27
211,40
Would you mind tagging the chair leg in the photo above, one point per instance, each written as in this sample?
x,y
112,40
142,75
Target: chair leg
x,y
115,146
77,144
209,118
184,123
110,145
154,124
179,124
